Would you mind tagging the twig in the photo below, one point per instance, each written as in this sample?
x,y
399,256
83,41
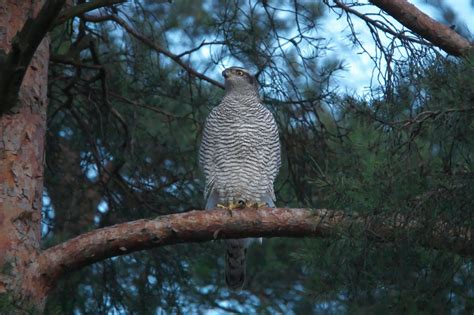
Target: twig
x,y
155,47
84,8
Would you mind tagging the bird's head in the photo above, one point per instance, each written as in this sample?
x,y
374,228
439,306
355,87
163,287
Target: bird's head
x,y
239,80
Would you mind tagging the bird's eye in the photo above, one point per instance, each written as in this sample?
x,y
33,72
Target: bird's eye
x,y
240,72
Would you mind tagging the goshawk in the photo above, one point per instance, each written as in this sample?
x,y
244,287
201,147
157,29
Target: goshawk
x,y
240,158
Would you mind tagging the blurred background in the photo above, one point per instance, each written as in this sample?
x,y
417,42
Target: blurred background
x,y
371,121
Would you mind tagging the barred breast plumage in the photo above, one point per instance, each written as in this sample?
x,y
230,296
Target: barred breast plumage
x,y
244,159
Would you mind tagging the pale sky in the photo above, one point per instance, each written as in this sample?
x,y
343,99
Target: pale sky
x,y
359,66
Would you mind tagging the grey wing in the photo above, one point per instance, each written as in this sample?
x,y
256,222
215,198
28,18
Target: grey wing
x,y
273,158
212,201
206,161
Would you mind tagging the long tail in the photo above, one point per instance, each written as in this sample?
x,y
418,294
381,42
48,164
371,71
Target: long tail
x,y
235,263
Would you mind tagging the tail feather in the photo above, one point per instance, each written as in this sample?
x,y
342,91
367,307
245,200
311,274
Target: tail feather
x,y
235,249
235,263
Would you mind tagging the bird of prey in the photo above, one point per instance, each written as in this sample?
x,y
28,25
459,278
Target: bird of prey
x,y
240,159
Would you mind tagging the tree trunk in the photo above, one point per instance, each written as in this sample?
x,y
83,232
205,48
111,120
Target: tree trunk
x,y
22,134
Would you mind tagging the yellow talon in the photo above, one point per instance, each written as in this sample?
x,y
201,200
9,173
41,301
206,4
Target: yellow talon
x,y
242,205
260,205
232,205
237,205
256,205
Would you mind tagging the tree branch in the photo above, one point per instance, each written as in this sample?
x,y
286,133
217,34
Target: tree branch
x,y
84,8
439,34
155,47
378,24
13,65
200,226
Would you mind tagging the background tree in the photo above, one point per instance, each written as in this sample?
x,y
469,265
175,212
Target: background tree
x,y
129,87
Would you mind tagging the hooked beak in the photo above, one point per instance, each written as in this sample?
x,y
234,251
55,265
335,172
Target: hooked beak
x,y
225,74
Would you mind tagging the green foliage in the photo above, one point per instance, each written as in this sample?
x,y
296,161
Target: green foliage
x,y
394,158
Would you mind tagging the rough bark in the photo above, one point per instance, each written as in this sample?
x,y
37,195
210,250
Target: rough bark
x,y
16,57
21,169
437,33
199,226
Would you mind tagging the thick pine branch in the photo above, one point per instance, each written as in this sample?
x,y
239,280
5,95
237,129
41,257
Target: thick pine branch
x,y
200,226
438,34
